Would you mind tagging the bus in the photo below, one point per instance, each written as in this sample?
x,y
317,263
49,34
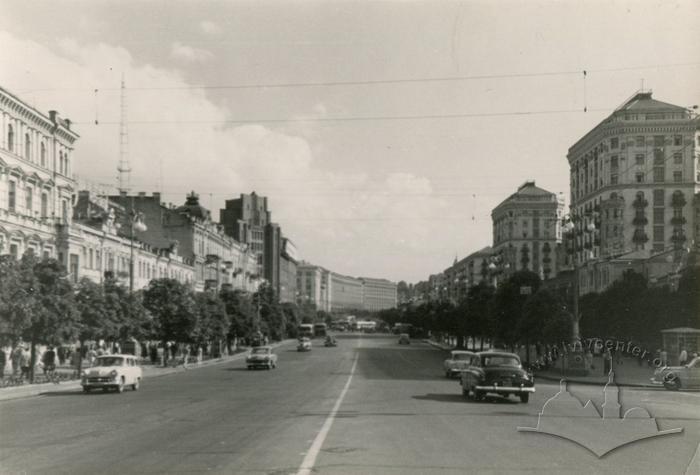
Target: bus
x,y
305,330
320,330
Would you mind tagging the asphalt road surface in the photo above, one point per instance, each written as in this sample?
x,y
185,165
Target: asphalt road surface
x,y
368,406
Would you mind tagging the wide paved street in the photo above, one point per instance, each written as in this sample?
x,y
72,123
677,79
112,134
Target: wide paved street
x,y
368,406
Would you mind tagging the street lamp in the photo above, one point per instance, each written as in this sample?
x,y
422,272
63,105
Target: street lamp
x,y
136,224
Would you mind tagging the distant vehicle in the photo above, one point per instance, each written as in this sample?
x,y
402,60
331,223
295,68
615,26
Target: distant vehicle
x,y
401,328
366,326
404,339
497,373
261,357
674,378
330,341
457,362
304,344
305,330
112,372
320,330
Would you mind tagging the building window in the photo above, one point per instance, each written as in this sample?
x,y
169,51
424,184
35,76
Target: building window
x,y
64,211
60,162
677,176
11,138
659,198
613,162
27,147
29,198
639,177
658,140
44,205
677,140
639,159
614,142
678,158
659,215
43,154
613,179
12,196
639,141
658,233
659,174
658,156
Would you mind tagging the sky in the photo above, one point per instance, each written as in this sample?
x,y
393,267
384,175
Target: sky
x,y
382,133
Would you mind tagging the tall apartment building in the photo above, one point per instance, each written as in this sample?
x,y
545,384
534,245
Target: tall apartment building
x,y
314,285
634,178
526,230
245,219
467,272
378,294
37,188
346,293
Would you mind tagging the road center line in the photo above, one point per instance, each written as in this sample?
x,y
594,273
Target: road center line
x,y
310,460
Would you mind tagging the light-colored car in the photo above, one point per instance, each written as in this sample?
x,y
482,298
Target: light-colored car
x,y
457,362
112,372
679,377
304,344
404,339
261,357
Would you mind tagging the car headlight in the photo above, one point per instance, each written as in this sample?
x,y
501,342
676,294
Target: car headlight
x,y
113,374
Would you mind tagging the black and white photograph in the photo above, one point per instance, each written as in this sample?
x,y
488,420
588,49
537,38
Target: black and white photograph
x,y
350,237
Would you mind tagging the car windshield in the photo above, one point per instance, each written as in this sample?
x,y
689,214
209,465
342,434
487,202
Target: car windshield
x,y
260,351
501,360
461,356
110,361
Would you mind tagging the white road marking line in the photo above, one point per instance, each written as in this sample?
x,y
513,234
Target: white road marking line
x,y
310,460
694,465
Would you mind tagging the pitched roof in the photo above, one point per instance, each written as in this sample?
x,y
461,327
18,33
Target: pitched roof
x,y
642,101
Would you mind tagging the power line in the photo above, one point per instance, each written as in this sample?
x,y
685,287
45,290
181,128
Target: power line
x,y
371,82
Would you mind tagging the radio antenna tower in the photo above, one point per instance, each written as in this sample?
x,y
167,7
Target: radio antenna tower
x,y
124,169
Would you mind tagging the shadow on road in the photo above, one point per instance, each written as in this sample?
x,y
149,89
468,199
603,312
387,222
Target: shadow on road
x,y
441,398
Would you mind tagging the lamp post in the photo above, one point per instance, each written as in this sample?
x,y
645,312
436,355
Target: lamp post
x,y
136,224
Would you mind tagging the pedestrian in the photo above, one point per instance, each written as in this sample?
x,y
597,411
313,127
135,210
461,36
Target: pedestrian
x,y
154,354
25,363
91,356
588,360
607,362
49,360
664,358
17,359
683,357
3,362
186,356
117,349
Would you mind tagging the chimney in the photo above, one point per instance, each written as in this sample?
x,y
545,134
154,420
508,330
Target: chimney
x,y
142,194
122,193
53,115
156,196
67,122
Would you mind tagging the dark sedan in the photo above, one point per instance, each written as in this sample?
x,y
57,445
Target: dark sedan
x,y
496,373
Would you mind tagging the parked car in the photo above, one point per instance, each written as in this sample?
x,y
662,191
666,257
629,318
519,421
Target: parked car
x,y
496,373
330,341
112,372
261,357
679,377
457,362
304,344
404,339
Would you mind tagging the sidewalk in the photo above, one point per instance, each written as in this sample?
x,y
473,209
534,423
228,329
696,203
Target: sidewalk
x,y
29,390
629,373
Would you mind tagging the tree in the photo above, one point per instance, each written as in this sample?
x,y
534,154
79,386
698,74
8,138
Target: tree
x,y
94,320
271,316
508,305
173,308
544,320
241,312
213,321
478,320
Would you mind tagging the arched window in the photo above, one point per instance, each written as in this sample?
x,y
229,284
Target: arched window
x,y
43,154
60,162
27,147
10,138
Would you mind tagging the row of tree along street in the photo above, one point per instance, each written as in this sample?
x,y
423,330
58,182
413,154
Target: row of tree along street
x,y
41,305
521,311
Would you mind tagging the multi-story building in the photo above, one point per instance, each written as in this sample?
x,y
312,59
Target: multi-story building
x,y
346,293
288,271
314,285
36,183
633,181
245,219
526,230
378,294
218,259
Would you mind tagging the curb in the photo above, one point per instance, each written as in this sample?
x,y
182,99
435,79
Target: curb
x,y
596,383
31,390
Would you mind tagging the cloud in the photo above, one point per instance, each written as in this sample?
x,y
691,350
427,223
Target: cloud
x,y
355,222
209,27
189,53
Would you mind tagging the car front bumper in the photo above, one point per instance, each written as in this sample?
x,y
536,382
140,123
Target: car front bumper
x,y
100,383
506,389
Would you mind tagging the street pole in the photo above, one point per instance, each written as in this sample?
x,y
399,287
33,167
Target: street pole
x,y
131,258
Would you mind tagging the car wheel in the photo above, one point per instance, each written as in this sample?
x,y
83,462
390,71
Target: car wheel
x,y
524,397
672,383
479,395
87,390
136,384
466,393
120,388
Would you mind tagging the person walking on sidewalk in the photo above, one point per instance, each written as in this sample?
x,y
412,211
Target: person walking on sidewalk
x,y
683,358
607,362
3,362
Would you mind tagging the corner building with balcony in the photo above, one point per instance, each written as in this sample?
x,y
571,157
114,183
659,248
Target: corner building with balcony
x,y
526,232
633,181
